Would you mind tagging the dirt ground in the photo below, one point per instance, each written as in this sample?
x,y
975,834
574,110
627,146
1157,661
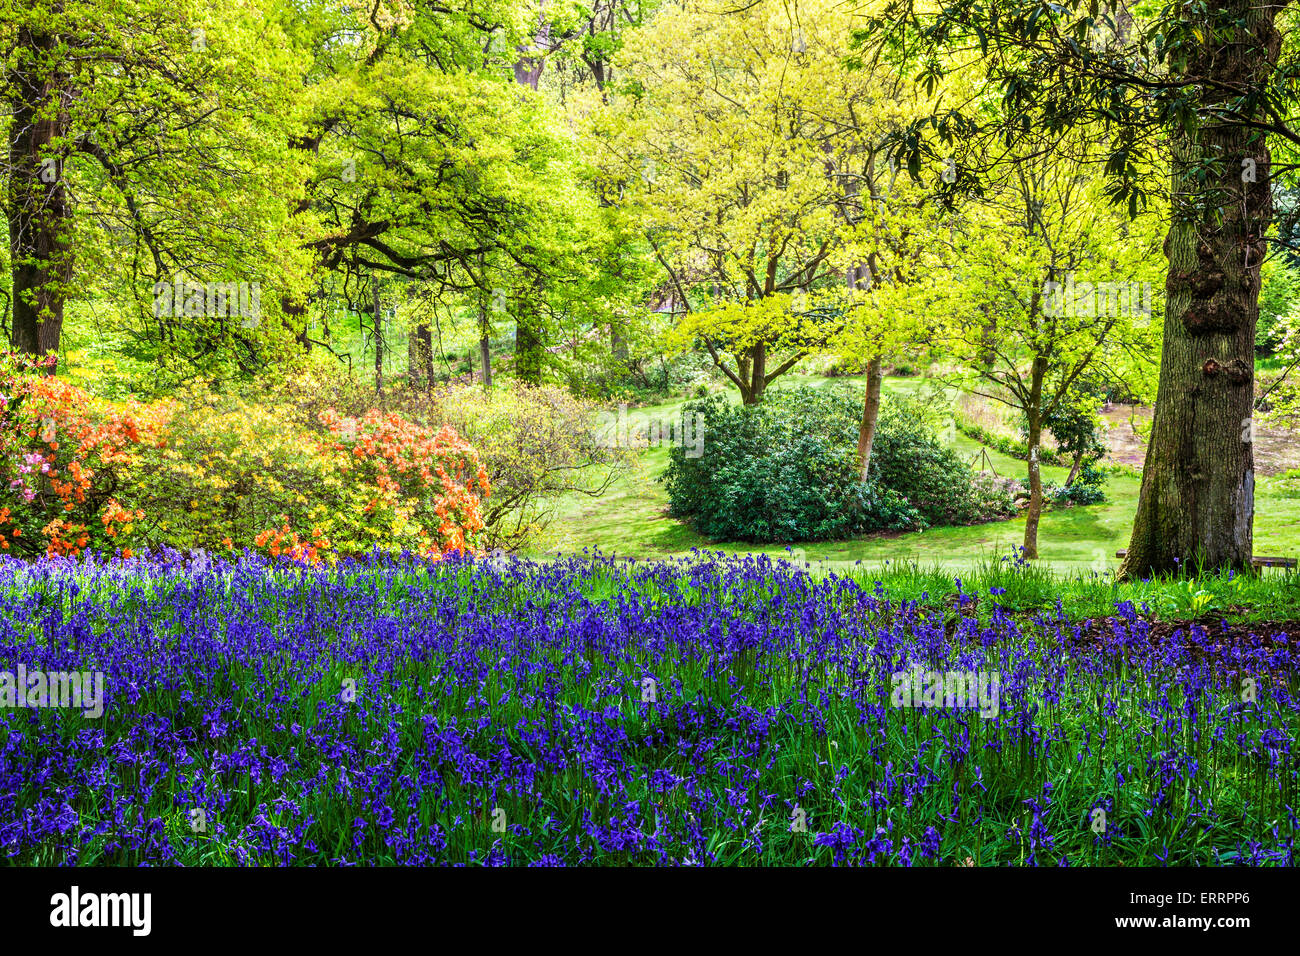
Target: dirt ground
x,y
1276,449
1211,637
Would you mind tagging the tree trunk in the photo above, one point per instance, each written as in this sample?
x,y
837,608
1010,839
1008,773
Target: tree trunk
x,y
39,213
485,360
758,374
875,377
528,344
617,344
425,336
1074,470
419,355
1034,414
1034,512
1197,502
870,415
377,323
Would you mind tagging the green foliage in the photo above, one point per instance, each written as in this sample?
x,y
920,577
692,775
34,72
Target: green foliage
x,y
786,470
1279,296
908,458
536,443
782,470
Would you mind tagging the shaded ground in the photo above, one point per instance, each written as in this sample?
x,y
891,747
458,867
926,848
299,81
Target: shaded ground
x,y
1276,449
1211,637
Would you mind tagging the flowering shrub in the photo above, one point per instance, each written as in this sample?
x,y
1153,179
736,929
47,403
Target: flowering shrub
x,y
241,473
65,461
203,470
425,479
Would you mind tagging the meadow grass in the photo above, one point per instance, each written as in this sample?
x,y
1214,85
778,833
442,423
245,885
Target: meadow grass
x,y
632,518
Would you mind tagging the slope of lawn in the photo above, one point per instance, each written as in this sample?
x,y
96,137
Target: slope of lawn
x,y
631,519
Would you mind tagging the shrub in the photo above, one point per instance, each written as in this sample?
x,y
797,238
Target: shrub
x,y
65,463
210,471
908,458
785,470
238,472
1086,489
537,443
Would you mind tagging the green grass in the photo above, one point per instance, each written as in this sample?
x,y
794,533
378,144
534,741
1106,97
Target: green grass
x,y
631,519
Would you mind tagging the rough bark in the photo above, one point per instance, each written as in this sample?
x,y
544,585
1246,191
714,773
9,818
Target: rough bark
x,y
39,212
1198,485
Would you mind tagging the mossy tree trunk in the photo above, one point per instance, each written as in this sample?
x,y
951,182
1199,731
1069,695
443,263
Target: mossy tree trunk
x,y
1197,501
39,211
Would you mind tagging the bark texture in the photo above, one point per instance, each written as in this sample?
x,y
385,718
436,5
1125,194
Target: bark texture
x,y
39,211
1197,502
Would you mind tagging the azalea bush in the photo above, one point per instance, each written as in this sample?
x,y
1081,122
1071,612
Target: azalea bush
x,y
242,472
66,459
227,471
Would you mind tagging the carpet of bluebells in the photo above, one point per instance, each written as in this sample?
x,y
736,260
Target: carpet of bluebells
x,y
392,711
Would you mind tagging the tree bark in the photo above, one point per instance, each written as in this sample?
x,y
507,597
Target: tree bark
x,y
1197,502
870,414
485,360
758,375
39,212
419,356
1034,414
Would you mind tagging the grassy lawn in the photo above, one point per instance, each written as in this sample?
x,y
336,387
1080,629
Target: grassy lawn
x,y
631,519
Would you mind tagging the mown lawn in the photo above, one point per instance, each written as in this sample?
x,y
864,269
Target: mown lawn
x,y
631,519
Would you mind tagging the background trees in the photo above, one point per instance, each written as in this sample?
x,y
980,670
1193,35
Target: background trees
x,y
1202,88
1050,288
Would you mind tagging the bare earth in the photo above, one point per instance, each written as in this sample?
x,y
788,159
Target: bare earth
x,y
1276,449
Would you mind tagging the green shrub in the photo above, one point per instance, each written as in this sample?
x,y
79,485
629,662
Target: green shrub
x,y
908,458
785,470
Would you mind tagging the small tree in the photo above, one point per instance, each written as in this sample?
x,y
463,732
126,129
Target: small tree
x,y
1053,287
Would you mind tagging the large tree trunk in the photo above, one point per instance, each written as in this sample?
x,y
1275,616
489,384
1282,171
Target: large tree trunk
x,y
1197,502
39,213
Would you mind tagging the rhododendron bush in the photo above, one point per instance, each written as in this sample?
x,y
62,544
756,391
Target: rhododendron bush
x,y
225,472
